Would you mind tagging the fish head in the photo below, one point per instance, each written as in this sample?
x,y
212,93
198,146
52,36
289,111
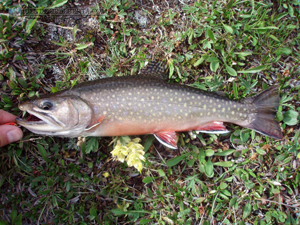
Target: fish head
x,y
66,116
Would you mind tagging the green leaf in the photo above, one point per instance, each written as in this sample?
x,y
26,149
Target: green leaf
x,y
254,70
175,161
224,164
119,212
83,46
266,28
223,185
225,153
231,71
261,151
210,34
57,3
290,117
92,145
284,50
209,168
93,212
212,59
148,142
161,173
42,151
209,152
247,210
228,28
214,66
13,215
148,180
274,38
291,10
171,69
18,220
145,221
235,91
30,24
198,62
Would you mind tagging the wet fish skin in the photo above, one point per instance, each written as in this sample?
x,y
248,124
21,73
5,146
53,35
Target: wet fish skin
x,y
143,104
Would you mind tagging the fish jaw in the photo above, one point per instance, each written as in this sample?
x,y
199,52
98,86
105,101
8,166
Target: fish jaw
x,y
65,116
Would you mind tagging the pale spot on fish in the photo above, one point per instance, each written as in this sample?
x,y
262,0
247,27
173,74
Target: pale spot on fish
x,y
214,110
223,109
232,112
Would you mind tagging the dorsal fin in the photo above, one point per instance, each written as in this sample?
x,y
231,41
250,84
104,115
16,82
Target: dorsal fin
x,y
155,68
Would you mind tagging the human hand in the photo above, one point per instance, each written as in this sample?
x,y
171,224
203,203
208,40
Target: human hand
x,y
8,133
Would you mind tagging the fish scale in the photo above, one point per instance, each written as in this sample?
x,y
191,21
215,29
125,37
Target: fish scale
x,y
147,104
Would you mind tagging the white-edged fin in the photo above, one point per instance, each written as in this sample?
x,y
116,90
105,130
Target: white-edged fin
x,y
91,127
167,138
96,124
212,131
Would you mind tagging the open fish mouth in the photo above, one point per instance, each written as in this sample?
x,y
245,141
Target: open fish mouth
x,y
40,122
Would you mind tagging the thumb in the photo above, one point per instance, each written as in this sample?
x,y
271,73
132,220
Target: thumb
x,y
9,134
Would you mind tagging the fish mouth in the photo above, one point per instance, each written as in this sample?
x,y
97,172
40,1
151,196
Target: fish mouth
x,y
40,122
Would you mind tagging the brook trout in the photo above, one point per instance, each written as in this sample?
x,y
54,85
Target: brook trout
x,y
146,104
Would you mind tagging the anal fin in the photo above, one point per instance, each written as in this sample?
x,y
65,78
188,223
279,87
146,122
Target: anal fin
x,y
212,128
167,138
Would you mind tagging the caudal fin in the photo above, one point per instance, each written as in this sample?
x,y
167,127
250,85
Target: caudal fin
x,y
266,104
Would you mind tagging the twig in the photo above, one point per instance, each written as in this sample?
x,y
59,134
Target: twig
x,y
291,206
48,24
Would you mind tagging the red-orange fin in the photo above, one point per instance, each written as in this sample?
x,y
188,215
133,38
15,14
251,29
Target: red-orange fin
x,y
98,122
213,128
167,138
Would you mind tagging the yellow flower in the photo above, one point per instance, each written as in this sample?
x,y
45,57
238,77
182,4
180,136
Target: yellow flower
x,y
135,154
132,152
105,174
120,152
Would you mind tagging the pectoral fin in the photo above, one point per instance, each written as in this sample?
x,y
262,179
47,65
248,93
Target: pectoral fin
x,y
98,122
167,138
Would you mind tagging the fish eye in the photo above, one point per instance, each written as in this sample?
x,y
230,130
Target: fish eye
x,y
46,105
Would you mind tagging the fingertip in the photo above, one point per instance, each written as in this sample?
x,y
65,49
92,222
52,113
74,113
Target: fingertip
x,y
14,134
9,134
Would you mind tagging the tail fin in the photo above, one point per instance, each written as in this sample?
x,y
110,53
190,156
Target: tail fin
x,y
266,104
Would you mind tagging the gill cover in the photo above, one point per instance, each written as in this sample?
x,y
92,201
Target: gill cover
x,y
66,116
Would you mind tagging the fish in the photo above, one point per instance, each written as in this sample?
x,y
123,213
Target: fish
x,y
147,103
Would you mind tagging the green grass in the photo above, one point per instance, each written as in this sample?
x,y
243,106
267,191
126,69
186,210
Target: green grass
x,y
238,47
